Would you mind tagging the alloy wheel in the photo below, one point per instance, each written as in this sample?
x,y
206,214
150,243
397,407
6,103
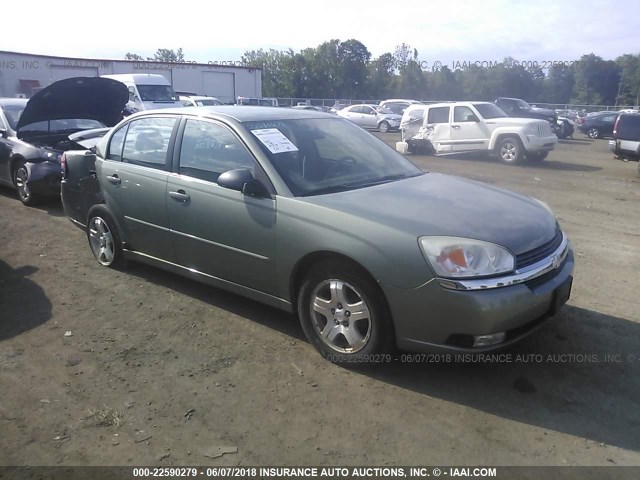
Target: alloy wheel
x,y
340,316
101,241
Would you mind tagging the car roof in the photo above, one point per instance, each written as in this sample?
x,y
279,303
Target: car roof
x,y
240,113
13,101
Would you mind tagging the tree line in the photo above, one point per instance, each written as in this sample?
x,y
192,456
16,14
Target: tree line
x,y
347,70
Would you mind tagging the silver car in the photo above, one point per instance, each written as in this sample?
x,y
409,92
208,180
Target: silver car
x,y
371,116
306,212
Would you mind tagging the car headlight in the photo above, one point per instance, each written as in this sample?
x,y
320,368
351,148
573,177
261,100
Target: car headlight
x,y
455,257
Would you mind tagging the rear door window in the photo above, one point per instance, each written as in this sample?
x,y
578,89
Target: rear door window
x,y
438,115
147,142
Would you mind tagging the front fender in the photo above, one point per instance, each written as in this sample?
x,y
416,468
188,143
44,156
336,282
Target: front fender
x,y
501,132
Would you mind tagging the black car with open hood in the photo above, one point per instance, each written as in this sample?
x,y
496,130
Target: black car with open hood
x,y
35,133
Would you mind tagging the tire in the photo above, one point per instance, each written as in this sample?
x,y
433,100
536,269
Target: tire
x,y
103,237
537,157
593,133
20,178
384,127
510,150
326,299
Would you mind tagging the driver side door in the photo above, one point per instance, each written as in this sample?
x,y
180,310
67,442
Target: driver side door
x,y
218,231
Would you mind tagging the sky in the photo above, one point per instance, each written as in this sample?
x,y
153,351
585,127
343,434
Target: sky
x,y
444,31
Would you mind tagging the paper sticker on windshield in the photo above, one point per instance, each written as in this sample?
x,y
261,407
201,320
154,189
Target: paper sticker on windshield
x,y
274,140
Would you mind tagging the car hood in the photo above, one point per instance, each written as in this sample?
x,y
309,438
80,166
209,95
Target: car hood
x,y
512,121
436,204
544,112
93,98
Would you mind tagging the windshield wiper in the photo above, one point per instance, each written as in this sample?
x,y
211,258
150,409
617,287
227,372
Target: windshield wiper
x,y
387,179
353,186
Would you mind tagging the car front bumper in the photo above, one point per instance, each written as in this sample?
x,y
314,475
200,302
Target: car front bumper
x,y
535,143
434,318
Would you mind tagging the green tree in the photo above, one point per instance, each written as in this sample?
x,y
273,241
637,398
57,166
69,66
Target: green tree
x,y
133,56
167,55
596,81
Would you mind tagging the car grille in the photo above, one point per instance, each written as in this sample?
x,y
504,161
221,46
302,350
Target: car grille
x,y
539,253
544,129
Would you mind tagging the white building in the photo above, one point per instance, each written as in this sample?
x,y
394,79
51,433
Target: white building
x,y
23,74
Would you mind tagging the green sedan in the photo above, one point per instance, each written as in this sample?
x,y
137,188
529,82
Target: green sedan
x,y
309,213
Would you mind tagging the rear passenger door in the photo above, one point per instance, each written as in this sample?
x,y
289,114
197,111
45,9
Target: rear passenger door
x,y
133,179
216,230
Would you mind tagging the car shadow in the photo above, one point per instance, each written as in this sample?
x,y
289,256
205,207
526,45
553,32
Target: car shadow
x,y
584,142
574,375
265,315
51,205
578,375
23,303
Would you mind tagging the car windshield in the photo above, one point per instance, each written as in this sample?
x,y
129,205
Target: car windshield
x,y
522,104
489,110
208,101
69,125
324,155
13,112
157,93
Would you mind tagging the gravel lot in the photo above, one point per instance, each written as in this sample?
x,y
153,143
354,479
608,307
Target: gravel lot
x,y
105,367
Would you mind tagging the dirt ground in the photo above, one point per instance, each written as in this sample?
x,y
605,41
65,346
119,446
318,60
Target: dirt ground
x,y
140,366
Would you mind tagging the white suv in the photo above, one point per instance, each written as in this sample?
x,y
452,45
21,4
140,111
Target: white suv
x,y
455,127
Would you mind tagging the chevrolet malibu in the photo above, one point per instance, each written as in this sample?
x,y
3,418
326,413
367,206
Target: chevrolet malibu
x,y
309,213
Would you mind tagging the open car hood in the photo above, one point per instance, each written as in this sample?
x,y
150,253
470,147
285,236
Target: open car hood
x,y
93,98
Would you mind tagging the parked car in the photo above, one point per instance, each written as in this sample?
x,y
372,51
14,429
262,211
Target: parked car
x,y
198,101
397,105
457,127
316,108
307,212
260,102
626,136
518,108
598,125
147,91
34,133
371,116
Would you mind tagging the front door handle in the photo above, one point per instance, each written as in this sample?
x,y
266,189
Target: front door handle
x,y
180,196
455,126
114,179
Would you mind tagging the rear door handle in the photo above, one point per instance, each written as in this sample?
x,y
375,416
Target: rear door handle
x,y
114,179
180,196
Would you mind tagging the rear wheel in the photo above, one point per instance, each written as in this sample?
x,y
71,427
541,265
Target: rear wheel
x,y
343,313
20,181
593,133
104,240
510,150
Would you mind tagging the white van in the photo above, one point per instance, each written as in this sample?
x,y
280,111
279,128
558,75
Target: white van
x,y
148,91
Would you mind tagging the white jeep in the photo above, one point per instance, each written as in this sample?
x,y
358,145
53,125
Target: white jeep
x,y
455,127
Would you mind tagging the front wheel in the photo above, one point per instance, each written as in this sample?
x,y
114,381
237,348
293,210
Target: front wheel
x,y
510,150
384,127
104,240
343,314
593,133
20,181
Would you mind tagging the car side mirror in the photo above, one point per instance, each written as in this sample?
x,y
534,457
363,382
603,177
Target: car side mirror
x,y
473,118
241,179
3,133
